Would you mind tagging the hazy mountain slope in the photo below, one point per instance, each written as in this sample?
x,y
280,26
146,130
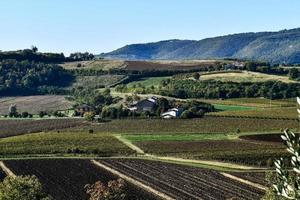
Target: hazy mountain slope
x,y
275,47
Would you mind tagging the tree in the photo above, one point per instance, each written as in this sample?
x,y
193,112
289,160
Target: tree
x,y
196,76
22,187
42,114
288,185
12,111
25,114
89,116
34,49
114,190
294,73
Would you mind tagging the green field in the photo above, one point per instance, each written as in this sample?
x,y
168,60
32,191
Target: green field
x,y
284,112
147,82
232,107
64,143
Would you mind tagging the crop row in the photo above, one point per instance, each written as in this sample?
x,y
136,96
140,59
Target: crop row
x,y
204,125
245,152
65,179
63,143
183,182
270,113
18,127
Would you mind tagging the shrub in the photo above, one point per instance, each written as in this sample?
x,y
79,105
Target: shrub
x,y
89,116
22,187
114,190
25,114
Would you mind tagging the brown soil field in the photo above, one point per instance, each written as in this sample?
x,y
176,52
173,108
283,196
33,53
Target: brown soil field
x,y
35,104
147,65
183,182
276,138
65,178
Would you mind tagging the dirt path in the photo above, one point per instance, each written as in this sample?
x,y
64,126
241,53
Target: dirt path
x,y
129,144
7,171
244,181
133,181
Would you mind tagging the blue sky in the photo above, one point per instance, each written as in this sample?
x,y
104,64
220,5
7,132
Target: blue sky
x,y
104,25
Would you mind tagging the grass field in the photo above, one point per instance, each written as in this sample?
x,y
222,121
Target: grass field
x,y
245,76
232,107
63,143
95,64
96,82
35,104
284,112
253,102
147,82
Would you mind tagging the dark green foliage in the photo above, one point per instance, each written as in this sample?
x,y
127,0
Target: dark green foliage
x,y
22,187
294,74
17,78
33,55
81,56
25,114
42,114
217,89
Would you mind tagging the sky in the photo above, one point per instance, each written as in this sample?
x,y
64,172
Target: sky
x,y
100,26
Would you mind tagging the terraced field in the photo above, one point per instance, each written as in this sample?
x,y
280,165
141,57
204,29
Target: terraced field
x,y
65,179
183,182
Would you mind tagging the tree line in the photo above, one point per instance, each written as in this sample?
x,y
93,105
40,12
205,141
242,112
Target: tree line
x,y
33,55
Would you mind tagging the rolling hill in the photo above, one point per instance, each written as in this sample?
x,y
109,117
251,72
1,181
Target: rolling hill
x,y
275,47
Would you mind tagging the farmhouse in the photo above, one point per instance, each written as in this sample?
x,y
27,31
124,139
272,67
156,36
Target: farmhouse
x,y
145,105
172,113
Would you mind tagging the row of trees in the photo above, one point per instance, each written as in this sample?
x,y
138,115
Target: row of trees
x,y
32,54
218,89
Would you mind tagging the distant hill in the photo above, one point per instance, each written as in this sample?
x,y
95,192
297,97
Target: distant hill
x,y
274,47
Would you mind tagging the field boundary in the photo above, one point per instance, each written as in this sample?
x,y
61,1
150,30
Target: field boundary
x,y
133,181
6,170
256,185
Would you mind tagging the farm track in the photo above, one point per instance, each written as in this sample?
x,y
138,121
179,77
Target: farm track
x,y
182,182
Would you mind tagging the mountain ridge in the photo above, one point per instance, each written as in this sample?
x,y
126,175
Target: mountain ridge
x,y
276,47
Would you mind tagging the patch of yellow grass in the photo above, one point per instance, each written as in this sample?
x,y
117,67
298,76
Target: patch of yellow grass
x,y
245,76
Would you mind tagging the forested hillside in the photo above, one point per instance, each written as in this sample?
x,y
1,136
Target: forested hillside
x,y
23,78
